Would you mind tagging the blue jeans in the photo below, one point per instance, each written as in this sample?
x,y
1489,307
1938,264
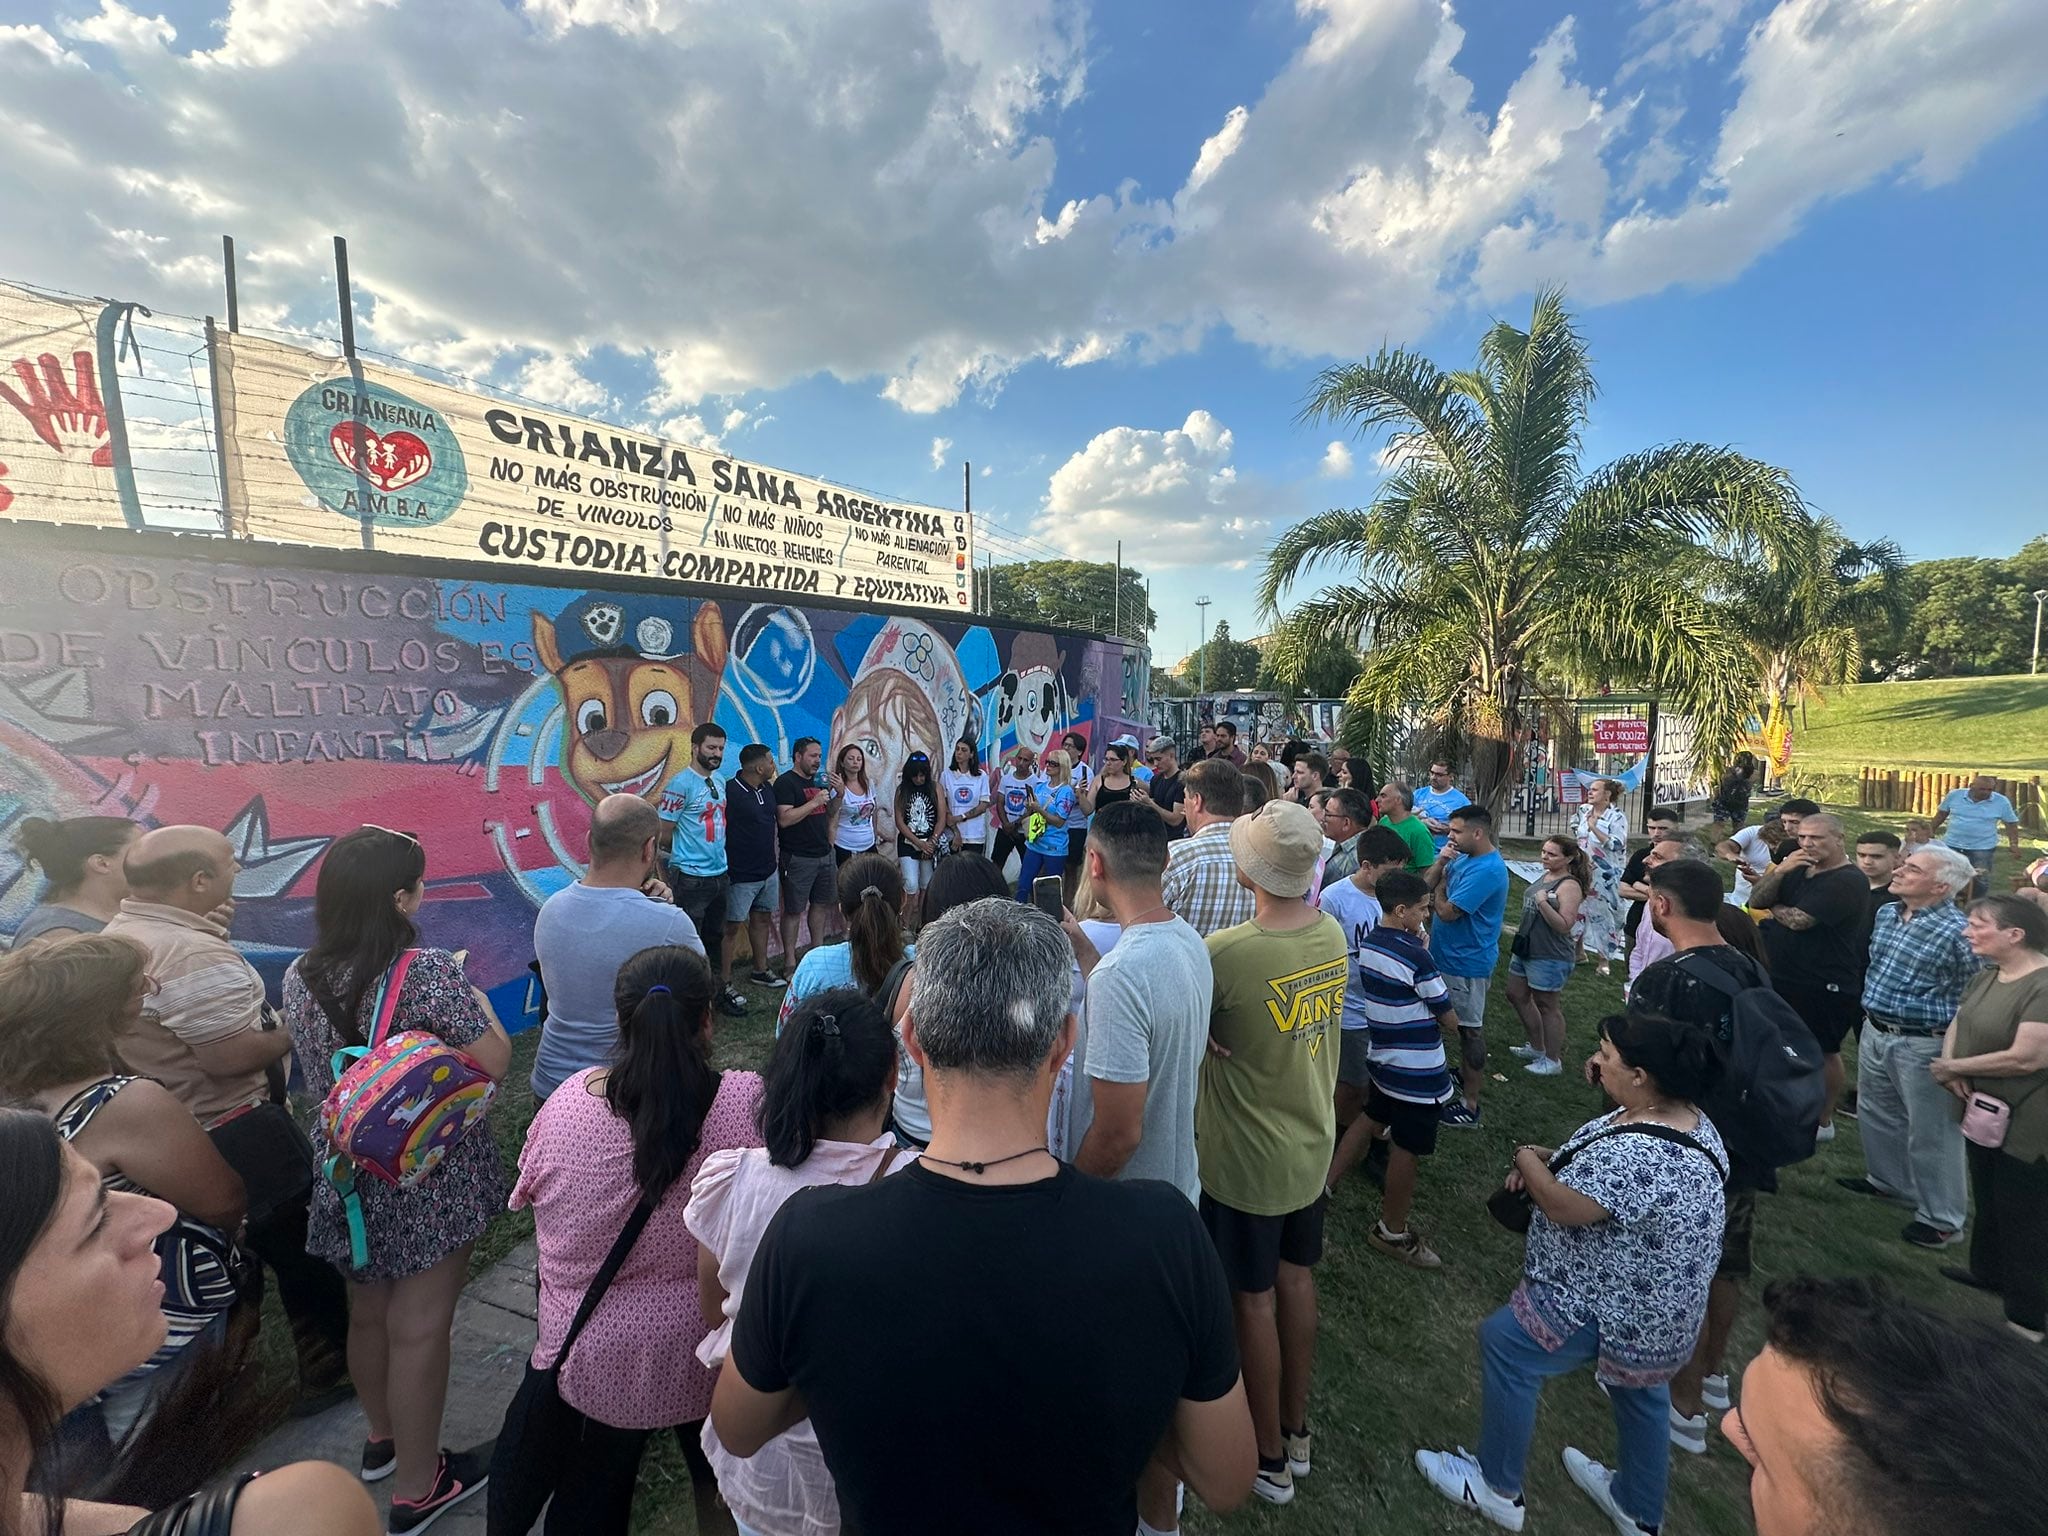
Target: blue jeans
x,y
1513,1367
1032,865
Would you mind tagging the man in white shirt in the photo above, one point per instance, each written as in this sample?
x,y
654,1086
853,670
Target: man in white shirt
x,y
586,931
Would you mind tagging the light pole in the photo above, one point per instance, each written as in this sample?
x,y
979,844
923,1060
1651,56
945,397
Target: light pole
x,y
2040,597
1202,655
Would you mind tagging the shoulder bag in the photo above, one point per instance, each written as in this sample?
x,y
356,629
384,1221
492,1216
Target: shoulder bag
x,y
1512,1208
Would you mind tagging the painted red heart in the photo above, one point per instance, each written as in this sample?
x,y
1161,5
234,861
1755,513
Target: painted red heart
x,y
389,461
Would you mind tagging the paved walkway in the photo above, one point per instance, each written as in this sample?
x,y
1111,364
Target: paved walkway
x,y
494,1327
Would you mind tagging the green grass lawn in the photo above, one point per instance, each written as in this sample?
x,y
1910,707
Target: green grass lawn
x,y
1397,1362
1998,724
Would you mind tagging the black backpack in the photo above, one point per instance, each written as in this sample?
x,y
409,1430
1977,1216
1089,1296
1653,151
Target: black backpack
x,y
1767,1105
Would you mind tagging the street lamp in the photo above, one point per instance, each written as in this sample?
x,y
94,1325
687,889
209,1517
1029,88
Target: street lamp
x,y
2040,597
1202,654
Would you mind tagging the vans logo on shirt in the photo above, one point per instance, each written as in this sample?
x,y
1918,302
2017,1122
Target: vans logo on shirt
x,y
1308,1000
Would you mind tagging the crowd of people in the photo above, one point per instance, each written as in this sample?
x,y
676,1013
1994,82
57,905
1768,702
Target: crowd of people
x,y
1008,1179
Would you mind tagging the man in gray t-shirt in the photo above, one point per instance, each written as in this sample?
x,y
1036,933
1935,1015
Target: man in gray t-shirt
x,y
1145,1017
586,931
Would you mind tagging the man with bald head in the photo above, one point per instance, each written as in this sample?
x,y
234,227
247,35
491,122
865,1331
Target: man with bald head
x,y
1818,940
586,931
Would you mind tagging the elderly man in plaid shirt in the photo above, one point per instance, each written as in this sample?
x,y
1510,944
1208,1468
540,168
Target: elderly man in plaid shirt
x,y
1201,877
1920,963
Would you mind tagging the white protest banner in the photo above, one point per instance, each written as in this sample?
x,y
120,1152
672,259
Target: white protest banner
x,y
62,459
323,451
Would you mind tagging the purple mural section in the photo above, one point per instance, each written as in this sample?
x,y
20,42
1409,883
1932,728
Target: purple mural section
x,y
287,698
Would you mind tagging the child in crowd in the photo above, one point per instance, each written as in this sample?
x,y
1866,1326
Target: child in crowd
x,y
1919,833
1408,1013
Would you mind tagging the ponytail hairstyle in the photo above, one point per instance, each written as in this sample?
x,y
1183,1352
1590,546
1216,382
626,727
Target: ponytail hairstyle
x,y
661,1081
833,1059
60,848
31,1188
870,899
1680,1056
1576,864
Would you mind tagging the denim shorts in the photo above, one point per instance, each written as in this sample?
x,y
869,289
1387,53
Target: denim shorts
x,y
1542,975
744,896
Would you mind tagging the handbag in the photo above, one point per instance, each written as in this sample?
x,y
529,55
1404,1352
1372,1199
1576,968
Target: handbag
x,y
1986,1120
1513,1208
267,1147
539,1433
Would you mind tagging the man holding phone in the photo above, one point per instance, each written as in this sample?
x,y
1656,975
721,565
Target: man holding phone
x,y
1164,791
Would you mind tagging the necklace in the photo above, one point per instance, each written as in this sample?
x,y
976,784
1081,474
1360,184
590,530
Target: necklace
x,y
994,1162
1162,907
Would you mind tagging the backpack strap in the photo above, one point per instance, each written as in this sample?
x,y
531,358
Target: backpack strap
x,y
1711,974
892,984
388,990
1661,1132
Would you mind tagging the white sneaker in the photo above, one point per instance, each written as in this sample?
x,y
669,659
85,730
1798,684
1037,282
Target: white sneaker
x,y
1274,1486
1689,1435
1456,1475
1297,1452
1714,1393
1594,1480
1544,1066
1825,1134
1524,1052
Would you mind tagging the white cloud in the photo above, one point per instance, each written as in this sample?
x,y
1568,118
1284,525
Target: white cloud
x,y
987,470
1336,463
525,183
557,380
941,446
734,420
1173,497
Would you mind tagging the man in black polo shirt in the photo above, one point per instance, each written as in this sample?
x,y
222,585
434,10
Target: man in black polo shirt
x,y
810,875
1684,905
750,860
1818,940
1054,1334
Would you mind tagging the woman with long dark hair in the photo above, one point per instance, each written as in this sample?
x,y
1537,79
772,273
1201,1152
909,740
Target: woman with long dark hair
x,y
608,1139
1540,960
870,905
402,1302
824,1119
80,1293
922,817
80,858
851,821
965,782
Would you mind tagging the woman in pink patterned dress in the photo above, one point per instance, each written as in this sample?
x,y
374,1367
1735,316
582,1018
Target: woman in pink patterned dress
x,y
605,1138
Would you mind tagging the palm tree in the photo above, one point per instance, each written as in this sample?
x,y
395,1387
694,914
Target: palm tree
x,y
1491,565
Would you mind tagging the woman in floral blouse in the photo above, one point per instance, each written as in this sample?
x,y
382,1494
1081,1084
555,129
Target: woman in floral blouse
x,y
1603,834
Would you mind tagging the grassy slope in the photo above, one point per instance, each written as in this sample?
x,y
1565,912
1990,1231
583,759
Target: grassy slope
x,y
1959,724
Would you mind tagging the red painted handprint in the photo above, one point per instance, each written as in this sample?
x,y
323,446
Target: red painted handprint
x,y
68,415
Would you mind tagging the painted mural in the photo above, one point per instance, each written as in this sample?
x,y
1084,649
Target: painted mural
x,y
286,702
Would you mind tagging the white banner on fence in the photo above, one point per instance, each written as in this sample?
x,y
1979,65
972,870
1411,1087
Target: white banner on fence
x,y
58,447
318,450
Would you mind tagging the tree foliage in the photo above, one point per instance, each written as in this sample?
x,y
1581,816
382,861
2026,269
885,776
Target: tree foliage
x,y
1231,663
1318,666
1803,605
1959,618
1492,562
1072,594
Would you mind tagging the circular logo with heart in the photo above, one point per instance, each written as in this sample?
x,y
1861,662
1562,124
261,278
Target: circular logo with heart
x,y
367,450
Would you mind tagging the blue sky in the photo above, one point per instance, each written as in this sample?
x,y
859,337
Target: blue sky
x,y
1100,250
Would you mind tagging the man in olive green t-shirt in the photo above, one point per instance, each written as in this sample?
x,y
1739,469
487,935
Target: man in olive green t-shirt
x,y
1396,817
1265,1122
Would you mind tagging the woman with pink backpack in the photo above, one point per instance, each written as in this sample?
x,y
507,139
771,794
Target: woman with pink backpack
x,y
364,995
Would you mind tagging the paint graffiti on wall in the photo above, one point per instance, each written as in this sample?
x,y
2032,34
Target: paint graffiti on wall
x,y
287,701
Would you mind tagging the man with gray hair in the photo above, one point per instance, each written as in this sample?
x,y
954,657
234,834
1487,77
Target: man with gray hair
x,y
586,931
990,1297
1920,962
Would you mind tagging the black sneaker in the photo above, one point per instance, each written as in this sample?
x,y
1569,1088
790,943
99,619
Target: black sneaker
x,y
380,1460
731,1003
1921,1235
766,979
461,1474
1863,1186
1459,1116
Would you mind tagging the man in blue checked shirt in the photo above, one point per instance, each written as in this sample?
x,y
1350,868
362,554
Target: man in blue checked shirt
x,y
1920,963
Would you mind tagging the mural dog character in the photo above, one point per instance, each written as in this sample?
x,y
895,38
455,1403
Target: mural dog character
x,y
1031,697
638,675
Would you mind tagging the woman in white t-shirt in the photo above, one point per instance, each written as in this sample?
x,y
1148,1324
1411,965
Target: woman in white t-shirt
x,y
1750,850
853,812
965,785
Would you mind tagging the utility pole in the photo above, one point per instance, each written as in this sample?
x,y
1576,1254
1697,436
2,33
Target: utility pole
x,y
1116,593
1202,655
2040,597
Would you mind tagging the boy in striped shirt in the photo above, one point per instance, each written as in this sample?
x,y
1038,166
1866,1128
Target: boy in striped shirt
x,y
1407,1011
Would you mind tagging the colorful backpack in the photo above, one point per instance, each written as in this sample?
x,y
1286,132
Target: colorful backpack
x,y
397,1105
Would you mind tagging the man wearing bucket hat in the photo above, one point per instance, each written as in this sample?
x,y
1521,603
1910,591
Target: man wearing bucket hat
x,y
1264,1116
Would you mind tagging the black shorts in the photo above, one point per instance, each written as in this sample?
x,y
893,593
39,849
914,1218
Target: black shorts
x,y
1411,1126
1738,1235
1254,1247
1832,1016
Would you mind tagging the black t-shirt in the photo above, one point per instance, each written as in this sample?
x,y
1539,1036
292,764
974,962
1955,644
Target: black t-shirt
x,y
918,812
1832,952
1632,874
1168,794
1672,987
749,831
805,838
998,1360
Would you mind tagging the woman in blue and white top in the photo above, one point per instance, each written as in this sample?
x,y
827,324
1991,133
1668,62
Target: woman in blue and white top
x,y
1053,806
1624,1237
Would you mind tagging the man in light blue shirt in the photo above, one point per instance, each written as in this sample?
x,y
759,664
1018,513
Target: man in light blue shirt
x,y
1468,886
692,809
1435,801
586,931
1974,815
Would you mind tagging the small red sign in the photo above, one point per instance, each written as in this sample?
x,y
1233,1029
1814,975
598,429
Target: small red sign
x,y
1621,733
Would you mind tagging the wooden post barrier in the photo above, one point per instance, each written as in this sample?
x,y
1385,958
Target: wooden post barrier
x,y
1919,792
